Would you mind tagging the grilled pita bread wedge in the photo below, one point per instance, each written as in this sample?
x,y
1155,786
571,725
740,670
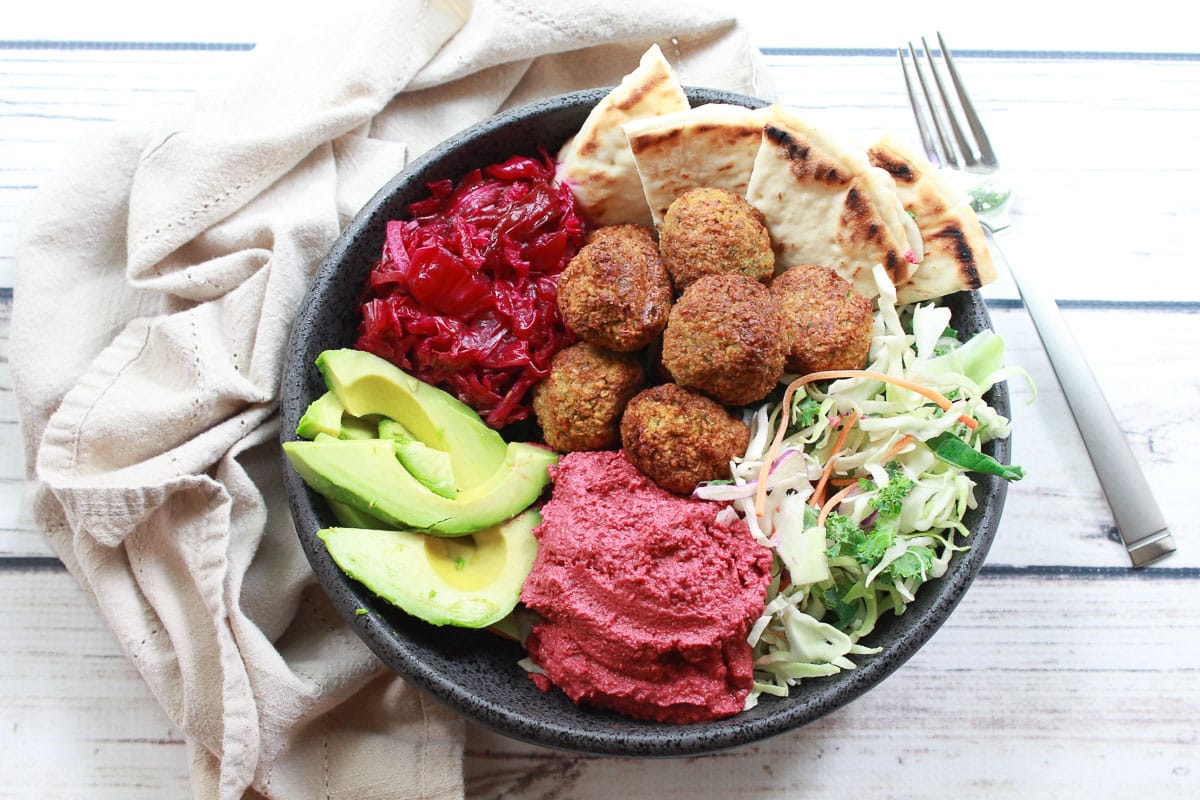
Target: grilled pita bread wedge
x,y
825,204
956,253
713,145
597,163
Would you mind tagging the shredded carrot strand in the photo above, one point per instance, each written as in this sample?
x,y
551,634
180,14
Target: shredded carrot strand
x,y
845,480
833,503
900,444
760,496
839,443
943,402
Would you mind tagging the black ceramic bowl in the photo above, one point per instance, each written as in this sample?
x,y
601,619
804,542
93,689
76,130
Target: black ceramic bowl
x,y
476,672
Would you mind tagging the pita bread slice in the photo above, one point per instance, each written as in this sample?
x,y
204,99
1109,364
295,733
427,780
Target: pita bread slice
x,y
597,163
712,145
825,204
956,255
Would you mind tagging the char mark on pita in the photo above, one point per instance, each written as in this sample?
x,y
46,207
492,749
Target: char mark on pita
x,y
956,256
824,203
710,146
860,225
597,163
900,170
925,197
857,220
654,85
803,163
652,142
964,254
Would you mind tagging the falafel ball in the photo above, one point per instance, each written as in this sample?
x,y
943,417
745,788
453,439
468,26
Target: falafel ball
x,y
616,292
828,321
579,404
726,338
710,230
679,438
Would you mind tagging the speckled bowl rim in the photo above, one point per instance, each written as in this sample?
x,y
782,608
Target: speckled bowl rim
x,y
475,672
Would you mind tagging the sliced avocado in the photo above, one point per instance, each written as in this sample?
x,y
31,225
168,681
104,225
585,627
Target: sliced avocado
x,y
469,581
327,415
366,384
351,517
390,429
358,428
431,467
323,415
367,475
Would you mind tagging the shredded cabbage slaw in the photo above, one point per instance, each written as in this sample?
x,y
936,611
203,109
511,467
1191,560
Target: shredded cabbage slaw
x,y
862,494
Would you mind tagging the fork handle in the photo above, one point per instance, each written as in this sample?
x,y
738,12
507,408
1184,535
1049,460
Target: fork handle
x,y
1139,521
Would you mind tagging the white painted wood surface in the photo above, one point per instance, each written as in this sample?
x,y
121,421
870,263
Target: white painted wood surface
x,y
1063,673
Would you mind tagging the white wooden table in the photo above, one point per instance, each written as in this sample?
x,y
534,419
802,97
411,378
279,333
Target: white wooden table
x,y
1062,673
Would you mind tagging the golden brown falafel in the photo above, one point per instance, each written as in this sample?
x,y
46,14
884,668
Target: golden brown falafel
x,y
725,337
616,292
711,230
579,404
828,321
679,438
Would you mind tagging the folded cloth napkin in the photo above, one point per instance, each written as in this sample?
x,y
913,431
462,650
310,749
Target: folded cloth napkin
x,y
157,278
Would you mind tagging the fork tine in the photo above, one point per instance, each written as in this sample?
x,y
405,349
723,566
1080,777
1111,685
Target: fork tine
x,y
949,158
964,147
918,112
986,154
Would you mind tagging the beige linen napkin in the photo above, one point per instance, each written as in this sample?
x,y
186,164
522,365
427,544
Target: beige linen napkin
x,y
157,278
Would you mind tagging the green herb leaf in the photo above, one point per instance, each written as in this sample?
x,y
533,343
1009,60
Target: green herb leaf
x,y
890,498
955,451
869,551
843,535
844,614
804,414
915,563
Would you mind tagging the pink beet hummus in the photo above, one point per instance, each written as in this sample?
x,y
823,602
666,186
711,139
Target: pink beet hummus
x,y
645,597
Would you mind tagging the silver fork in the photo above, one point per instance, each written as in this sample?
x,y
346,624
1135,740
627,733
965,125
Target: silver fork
x,y
972,162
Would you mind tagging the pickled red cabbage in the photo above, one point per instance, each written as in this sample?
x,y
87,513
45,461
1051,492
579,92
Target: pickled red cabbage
x,y
464,295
